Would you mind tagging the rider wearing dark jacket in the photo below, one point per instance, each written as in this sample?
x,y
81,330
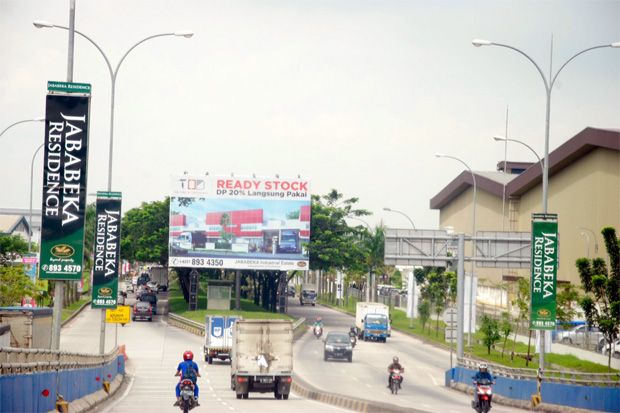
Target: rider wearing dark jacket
x,y
394,366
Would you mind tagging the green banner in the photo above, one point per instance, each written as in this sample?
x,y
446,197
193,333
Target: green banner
x,y
107,250
67,87
544,271
64,187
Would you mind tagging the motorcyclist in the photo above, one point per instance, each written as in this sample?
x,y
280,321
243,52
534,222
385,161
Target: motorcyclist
x,y
318,322
482,374
353,331
394,366
184,370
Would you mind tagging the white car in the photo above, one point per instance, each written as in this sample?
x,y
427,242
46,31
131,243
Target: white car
x,y
615,349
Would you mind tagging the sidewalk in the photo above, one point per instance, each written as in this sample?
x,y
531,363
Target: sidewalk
x,y
559,348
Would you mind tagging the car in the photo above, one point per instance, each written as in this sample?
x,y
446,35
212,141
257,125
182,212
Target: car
x,y
290,291
142,310
143,279
337,345
143,289
129,288
577,335
150,298
615,348
121,298
153,285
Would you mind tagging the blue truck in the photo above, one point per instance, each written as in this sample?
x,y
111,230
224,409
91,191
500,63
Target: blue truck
x,y
372,321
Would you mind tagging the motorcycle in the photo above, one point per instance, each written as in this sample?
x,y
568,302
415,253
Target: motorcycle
x,y
396,378
318,331
353,339
484,395
187,396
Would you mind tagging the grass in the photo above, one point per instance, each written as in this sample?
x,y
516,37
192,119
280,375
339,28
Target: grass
x,y
69,310
556,361
249,310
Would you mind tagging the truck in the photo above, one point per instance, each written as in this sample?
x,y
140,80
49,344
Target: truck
x,y
218,337
160,276
307,295
262,357
30,327
372,321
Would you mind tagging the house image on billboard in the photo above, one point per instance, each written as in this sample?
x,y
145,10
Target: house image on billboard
x,y
242,231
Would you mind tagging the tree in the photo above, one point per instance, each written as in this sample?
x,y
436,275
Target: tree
x,y
522,302
438,292
505,327
424,312
601,303
14,285
490,332
89,234
144,233
566,301
12,247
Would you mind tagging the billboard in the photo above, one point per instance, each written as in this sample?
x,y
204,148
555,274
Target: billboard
x,y
544,271
239,223
106,250
64,186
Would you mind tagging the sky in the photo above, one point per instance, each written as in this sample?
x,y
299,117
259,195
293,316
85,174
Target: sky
x,y
352,95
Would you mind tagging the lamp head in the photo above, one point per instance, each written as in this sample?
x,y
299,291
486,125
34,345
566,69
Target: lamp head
x,y
39,24
499,138
440,155
39,119
615,45
386,209
481,42
184,33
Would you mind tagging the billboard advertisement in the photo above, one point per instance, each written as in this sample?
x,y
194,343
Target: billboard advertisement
x,y
544,271
106,250
64,186
239,223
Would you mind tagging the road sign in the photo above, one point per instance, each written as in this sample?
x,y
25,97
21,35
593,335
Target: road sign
x,y
409,247
120,315
449,315
503,249
450,334
68,87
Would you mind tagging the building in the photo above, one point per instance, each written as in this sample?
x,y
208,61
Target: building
x,y
584,190
15,220
14,225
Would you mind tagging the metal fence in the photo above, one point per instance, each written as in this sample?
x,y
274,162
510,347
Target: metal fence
x,y
24,360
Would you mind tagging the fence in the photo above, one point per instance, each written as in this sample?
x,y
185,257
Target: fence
x,y
31,379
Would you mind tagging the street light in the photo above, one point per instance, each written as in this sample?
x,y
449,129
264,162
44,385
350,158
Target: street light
x,y
587,237
402,213
503,139
473,242
113,75
593,237
548,88
41,119
31,185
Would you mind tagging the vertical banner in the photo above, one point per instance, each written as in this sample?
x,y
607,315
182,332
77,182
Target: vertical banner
x,y
544,271
64,185
107,250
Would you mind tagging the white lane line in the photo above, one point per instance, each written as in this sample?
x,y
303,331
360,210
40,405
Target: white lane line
x,y
433,379
355,378
225,404
231,408
127,390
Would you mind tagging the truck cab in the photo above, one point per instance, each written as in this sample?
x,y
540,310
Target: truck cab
x,y
307,296
375,327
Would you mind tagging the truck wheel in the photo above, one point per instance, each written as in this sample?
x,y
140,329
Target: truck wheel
x,y
285,396
209,360
350,358
313,304
238,396
246,395
301,304
277,395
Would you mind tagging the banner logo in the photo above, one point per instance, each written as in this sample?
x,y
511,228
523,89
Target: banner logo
x,y
62,251
105,292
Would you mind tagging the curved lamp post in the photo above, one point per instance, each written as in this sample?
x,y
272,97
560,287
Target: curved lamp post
x,y
549,83
41,119
402,213
113,74
503,139
473,242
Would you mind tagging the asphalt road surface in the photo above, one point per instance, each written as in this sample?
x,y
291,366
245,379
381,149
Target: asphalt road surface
x,y
366,377
154,351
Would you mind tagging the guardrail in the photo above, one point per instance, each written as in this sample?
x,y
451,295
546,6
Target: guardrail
x,y
554,376
24,360
197,328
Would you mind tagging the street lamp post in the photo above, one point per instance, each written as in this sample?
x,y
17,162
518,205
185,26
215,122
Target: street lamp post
x,y
587,237
113,76
473,243
41,119
31,185
548,88
402,213
503,139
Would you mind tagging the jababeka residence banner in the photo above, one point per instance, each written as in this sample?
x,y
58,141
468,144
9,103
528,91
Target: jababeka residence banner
x,y
107,250
544,271
64,186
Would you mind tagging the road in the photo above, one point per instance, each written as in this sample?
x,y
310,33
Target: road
x,y
366,377
154,350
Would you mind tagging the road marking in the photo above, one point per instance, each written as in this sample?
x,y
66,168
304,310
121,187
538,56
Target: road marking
x,y
127,390
433,379
355,378
225,404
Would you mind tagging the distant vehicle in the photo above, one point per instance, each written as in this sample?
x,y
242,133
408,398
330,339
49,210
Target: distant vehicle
x,y
308,295
143,289
579,334
218,337
615,349
153,285
338,346
150,298
121,298
143,279
372,321
290,291
142,311
129,288
160,276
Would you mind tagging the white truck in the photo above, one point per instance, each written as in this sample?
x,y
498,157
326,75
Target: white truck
x,y
307,295
29,327
262,357
218,337
372,321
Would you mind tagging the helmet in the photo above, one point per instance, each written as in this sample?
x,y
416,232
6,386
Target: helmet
x,y
395,359
319,318
188,355
482,366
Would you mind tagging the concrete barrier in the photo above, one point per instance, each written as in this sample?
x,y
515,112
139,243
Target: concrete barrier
x,y
556,397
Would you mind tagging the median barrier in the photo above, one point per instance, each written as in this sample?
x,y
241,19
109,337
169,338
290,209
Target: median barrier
x,y
31,380
556,396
